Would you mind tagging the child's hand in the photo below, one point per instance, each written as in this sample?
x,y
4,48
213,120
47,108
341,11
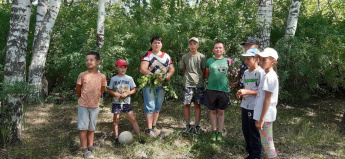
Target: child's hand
x,y
240,93
259,124
233,85
124,95
117,95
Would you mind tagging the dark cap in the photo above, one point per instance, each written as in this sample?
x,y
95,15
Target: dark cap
x,y
250,40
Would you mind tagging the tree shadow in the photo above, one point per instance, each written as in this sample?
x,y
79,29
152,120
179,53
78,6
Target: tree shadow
x,y
50,131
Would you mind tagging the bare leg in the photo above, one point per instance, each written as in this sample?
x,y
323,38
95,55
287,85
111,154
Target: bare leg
x,y
131,118
90,136
116,120
149,119
220,119
186,111
83,138
213,118
155,118
197,111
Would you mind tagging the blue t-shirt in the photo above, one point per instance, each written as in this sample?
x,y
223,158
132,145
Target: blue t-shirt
x,y
121,84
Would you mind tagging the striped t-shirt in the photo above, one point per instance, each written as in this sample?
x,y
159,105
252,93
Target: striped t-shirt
x,y
157,64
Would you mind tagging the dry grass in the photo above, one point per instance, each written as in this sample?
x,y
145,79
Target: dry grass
x,y
314,129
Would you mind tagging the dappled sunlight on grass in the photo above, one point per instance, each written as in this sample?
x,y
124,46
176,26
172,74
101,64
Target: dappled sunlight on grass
x,y
313,129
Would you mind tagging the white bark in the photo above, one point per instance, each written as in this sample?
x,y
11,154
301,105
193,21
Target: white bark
x,y
100,23
293,18
264,16
42,9
41,45
15,64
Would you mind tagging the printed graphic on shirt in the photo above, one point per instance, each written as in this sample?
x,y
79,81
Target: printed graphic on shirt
x,y
223,67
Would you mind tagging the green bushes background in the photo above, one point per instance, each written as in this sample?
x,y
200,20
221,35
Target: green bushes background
x,y
311,64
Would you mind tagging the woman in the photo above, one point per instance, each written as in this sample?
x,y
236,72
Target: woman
x,y
155,62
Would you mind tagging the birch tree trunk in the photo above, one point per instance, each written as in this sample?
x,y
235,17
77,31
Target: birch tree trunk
x,y
15,66
42,9
41,45
264,17
292,18
100,23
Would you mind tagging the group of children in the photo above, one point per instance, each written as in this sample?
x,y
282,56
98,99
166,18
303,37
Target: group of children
x,y
258,90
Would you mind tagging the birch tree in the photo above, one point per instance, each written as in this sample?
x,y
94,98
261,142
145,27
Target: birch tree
x,y
264,16
15,66
292,18
100,23
41,41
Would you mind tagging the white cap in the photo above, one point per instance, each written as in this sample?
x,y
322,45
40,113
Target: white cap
x,y
194,38
269,52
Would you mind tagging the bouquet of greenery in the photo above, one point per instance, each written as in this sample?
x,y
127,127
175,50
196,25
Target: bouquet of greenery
x,y
156,80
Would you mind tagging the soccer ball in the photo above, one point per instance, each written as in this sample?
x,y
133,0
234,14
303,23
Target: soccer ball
x,y
125,137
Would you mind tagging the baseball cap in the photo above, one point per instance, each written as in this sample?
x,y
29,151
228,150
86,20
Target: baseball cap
x,y
251,52
194,38
269,52
250,40
121,62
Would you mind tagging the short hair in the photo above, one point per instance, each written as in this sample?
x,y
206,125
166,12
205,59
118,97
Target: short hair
x,y
94,53
155,38
218,42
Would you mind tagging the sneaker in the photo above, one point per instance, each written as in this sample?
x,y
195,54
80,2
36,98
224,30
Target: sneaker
x,y
219,136
197,130
188,129
87,154
151,134
156,131
248,157
90,148
116,141
213,136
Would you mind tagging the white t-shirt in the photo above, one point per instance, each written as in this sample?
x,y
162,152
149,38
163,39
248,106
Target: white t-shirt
x,y
121,84
269,83
251,81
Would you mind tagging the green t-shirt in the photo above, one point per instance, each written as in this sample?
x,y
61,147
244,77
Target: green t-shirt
x,y
218,69
193,76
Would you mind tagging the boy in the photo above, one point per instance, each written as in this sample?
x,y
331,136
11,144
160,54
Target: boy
x,y
194,69
249,43
90,87
121,87
251,81
217,90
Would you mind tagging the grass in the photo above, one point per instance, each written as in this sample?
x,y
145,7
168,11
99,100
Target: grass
x,y
313,129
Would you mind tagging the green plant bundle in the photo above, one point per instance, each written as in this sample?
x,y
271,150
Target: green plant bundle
x,y
156,80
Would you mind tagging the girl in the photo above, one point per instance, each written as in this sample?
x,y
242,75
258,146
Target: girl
x,y
155,62
251,80
265,110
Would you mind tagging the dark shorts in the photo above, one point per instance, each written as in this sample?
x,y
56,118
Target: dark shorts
x,y
117,107
193,94
217,99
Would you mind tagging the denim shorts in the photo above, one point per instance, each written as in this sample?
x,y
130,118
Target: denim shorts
x,y
116,107
193,94
87,118
152,103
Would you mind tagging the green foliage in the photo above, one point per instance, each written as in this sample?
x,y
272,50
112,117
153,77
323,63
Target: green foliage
x,y
318,44
156,80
